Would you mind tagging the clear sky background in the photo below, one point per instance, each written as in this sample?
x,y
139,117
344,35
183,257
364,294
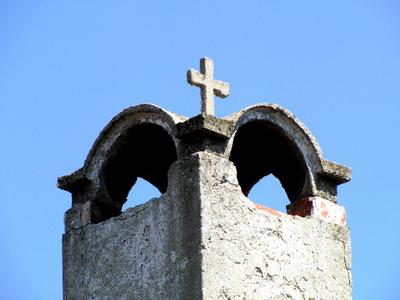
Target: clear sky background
x,y
67,67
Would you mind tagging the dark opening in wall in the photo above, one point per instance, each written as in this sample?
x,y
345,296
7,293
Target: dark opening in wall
x,y
261,148
146,151
141,192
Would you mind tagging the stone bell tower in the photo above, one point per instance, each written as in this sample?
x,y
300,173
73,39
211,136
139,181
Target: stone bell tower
x,y
203,238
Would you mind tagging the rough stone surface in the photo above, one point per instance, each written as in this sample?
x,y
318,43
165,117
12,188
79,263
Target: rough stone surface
x,y
277,137
319,208
323,176
249,254
148,252
208,85
204,132
203,239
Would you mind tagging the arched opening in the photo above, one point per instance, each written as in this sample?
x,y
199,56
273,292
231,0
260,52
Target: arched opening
x,y
144,151
141,192
269,192
261,148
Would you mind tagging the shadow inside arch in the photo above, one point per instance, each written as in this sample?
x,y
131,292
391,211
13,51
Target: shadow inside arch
x,y
261,150
143,153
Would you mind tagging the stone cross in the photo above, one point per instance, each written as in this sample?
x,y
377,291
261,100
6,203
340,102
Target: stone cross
x,y
208,86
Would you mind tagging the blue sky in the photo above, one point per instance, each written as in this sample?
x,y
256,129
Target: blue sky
x,y
67,67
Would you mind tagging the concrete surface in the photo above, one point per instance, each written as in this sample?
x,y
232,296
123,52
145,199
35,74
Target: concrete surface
x,y
203,238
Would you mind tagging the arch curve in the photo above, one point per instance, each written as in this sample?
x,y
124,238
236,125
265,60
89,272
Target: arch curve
x,y
145,150
261,148
138,142
124,121
268,139
261,140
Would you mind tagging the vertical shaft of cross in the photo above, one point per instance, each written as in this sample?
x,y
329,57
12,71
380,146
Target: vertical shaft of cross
x,y
208,86
207,90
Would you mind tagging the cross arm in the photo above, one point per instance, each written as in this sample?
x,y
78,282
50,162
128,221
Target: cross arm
x,y
195,78
221,88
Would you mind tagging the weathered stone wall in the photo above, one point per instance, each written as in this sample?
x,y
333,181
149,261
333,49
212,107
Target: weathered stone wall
x,y
149,252
203,239
249,253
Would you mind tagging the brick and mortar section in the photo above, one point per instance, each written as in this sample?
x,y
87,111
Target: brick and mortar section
x,y
203,238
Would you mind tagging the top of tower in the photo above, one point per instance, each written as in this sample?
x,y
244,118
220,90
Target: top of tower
x,y
144,140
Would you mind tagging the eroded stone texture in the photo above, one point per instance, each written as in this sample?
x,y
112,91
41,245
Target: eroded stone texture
x,y
149,252
203,239
208,85
260,140
319,208
251,254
